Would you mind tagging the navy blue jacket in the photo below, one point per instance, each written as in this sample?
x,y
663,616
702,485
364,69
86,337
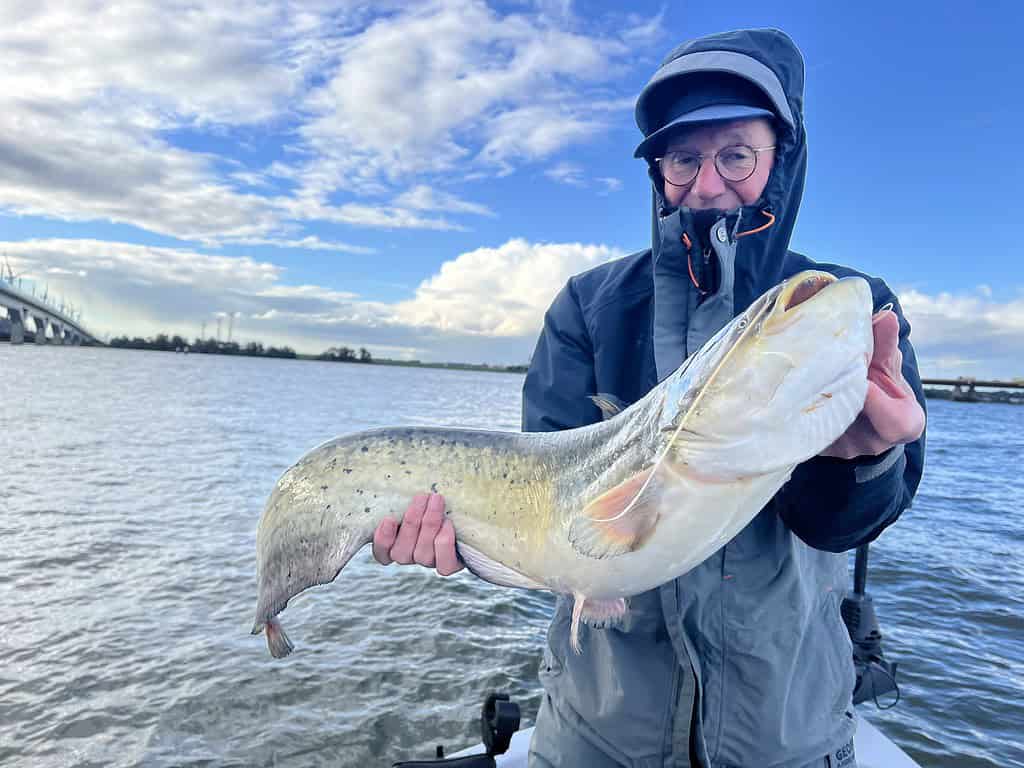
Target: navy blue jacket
x,y
597,337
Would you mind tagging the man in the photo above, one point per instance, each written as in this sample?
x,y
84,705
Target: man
x,y
744,661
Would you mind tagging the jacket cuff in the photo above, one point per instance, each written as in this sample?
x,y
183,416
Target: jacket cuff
x,y
870,468
838,504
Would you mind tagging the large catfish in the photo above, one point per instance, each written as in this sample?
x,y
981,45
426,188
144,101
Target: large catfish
x,y
605,511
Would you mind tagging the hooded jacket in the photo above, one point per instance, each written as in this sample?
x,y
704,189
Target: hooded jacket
x,y
745,660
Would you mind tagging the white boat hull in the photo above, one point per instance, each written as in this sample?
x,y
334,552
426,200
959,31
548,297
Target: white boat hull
x,y
872,747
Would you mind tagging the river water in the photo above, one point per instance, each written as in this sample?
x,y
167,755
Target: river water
x,y
131,486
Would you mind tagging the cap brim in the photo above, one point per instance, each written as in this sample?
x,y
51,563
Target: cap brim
x,y
714,113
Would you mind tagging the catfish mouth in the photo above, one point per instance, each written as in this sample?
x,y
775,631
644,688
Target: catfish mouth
x,y
798,291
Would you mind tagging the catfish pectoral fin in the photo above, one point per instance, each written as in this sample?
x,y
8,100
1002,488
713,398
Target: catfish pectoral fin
x,y
620,519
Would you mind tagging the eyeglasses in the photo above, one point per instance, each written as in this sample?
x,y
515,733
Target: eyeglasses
x,y
733,163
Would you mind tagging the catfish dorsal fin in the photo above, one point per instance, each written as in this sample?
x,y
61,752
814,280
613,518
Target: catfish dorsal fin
x,y
620,519
610,405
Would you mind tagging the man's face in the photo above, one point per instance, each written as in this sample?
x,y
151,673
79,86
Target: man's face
x,y
709,190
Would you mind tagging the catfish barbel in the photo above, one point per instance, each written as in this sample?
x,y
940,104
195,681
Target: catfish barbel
x,y
605,511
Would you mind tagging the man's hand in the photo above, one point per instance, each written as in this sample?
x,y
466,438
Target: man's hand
x,y
891,413
425,536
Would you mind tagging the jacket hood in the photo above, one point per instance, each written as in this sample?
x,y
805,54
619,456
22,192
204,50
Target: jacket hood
x,y
770,60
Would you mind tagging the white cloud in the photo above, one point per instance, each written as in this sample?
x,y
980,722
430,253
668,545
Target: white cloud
x,y
78,167
557,9
484,305
949,366
572,174
306,292
235,123
161,63
425,198
645,31
566,173
500,291
106,110
385,217
89,90
416,92
110,263
533,133
309,243
966,333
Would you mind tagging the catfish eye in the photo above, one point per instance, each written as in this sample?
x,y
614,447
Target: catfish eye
x,y
742,323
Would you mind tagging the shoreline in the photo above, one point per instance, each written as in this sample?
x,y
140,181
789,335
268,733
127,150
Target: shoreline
x,y
289,354
931,393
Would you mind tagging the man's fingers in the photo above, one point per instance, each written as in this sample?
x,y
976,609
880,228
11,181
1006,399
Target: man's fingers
x,y
425,536
444,550
383,540
433,518
891,414
885,327
409,531
897,419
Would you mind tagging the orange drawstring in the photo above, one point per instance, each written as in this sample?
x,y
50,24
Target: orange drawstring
x,y
771,220
689,247
689,263
693,277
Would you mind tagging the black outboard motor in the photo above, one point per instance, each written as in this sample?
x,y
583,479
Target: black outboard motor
x,y
498,721
875,675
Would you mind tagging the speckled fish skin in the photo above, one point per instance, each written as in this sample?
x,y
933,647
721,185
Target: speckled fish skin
x,y
605,511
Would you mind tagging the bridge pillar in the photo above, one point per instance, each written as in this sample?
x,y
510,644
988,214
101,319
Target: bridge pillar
x,y
17,325
40,323
970,396
58,332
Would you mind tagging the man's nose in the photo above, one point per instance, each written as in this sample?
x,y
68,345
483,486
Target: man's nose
x,y
708,184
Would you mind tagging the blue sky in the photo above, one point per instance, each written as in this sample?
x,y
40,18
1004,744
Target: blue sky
x,y
420,179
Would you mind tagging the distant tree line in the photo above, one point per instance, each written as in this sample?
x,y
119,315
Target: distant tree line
x,y
455,366
362,355
346,355
165,343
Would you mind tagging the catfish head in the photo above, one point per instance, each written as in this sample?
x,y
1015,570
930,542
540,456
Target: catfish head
x,y
776,386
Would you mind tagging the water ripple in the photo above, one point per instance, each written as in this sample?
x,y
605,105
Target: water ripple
x,y
128,576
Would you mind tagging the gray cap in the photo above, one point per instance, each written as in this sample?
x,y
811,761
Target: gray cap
x,y
702,98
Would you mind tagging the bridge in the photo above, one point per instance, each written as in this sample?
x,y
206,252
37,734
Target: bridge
x,y
50,325
965,389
